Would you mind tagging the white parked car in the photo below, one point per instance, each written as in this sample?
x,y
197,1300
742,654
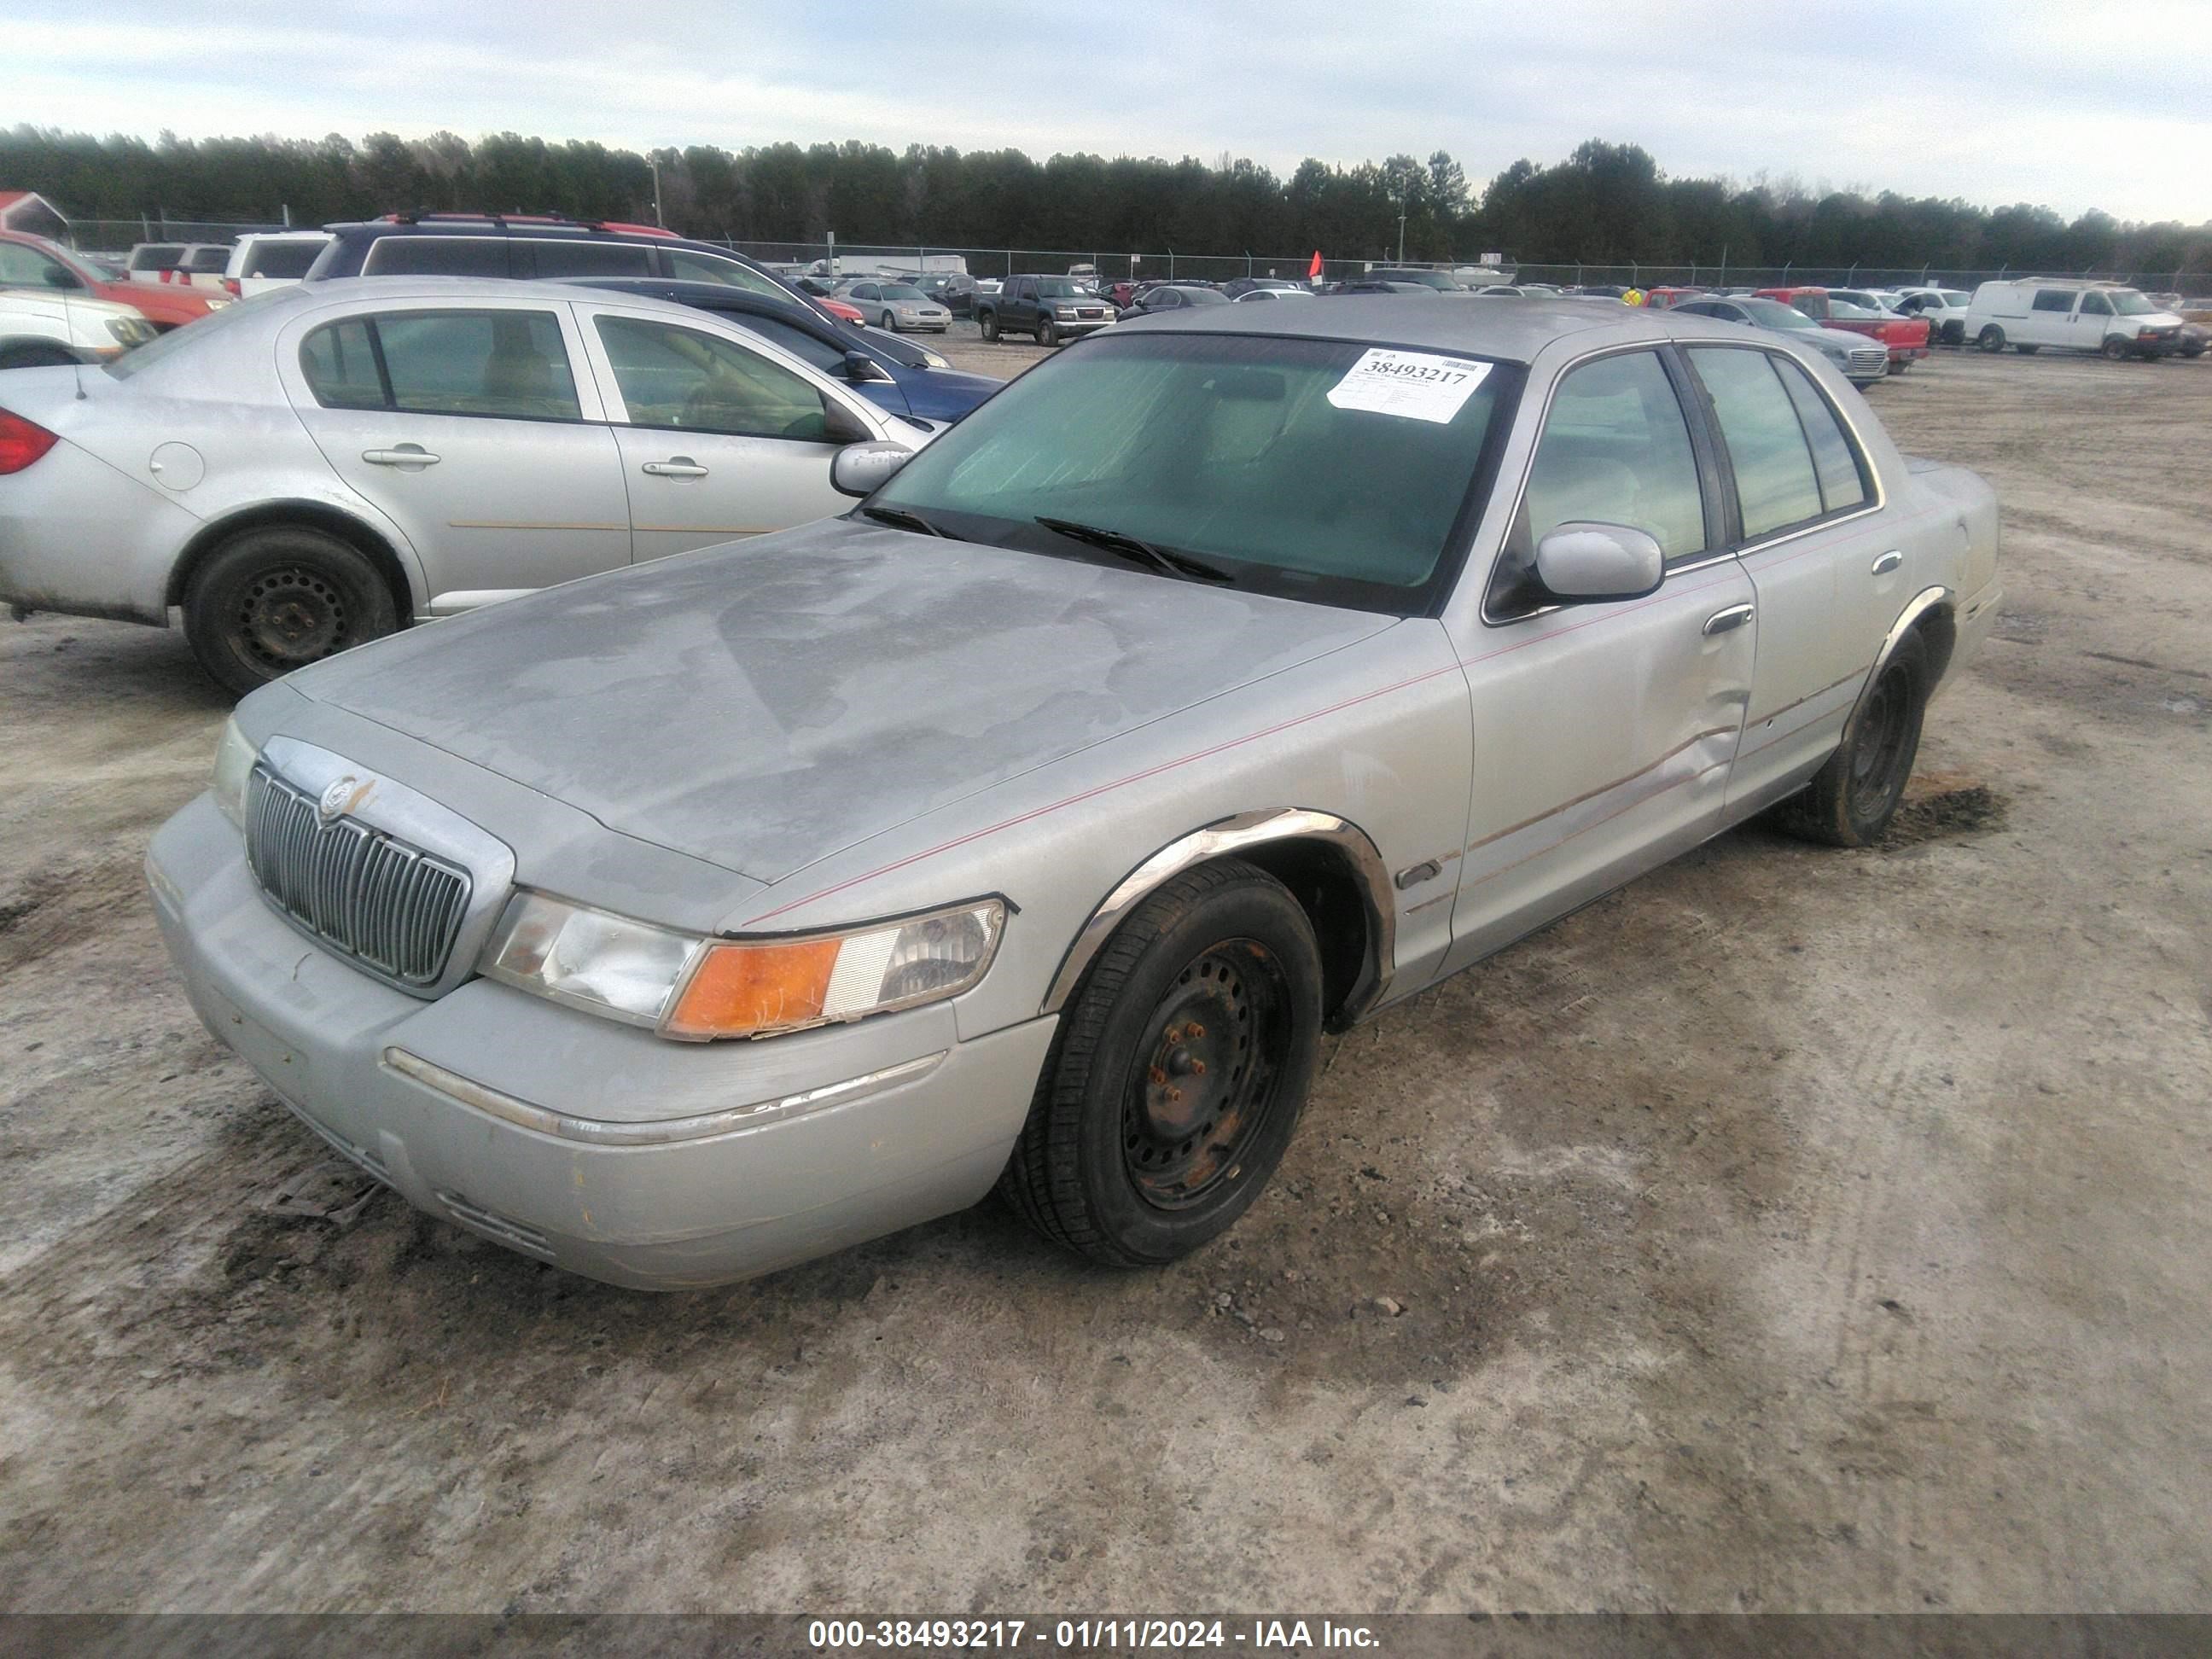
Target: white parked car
x,y
1944,309
263,261
182,265
41,328
2071,314
333,460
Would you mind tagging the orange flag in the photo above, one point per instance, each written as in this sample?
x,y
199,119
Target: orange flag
x,y
1313,271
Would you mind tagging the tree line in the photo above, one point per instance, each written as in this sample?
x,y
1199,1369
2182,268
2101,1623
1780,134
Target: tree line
x,y
1607,203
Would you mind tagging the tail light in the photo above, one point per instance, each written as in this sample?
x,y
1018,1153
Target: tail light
x,y
21,442
233,288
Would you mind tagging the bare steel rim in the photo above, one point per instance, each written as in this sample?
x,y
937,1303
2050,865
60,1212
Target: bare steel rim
x,y
289,615
1206,1080
1878,753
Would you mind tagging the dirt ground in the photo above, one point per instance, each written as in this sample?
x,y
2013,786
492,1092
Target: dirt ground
x,y
1794,1230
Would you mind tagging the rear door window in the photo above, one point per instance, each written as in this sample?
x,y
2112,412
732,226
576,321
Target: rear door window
x,y
508,364
437,255
1837,463
1776,484
678,378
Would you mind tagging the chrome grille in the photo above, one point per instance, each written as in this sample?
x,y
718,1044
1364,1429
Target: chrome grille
x,y
1088,313
1867,359
392,907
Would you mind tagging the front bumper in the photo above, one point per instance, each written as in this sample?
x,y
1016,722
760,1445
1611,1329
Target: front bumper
x,y
594,1146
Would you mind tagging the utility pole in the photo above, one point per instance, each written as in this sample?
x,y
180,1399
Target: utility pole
x,y
1401,230
653,161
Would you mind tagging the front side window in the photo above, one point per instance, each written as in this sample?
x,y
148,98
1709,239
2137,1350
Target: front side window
x,y
2055,299
26,267
1231,449
1775,483
696,267
1615,449
2096,305
509,364
797,341
677,377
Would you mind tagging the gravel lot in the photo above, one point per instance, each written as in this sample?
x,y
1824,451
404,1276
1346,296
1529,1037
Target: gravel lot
x,y
1793,1229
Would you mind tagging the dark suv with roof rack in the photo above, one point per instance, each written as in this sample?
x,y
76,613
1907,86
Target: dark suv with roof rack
x,y
534,246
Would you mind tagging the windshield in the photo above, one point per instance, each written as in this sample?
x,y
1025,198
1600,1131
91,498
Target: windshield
x,y
1059,287
1203,296
1251,452
1774,314
902,291
2128,303
1843,308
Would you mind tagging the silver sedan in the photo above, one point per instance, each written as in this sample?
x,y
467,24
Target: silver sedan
x,y
1224,681
1858,358
896,307
318,466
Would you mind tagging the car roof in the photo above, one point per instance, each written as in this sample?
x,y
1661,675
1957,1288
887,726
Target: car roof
x,y
707,296
1511,333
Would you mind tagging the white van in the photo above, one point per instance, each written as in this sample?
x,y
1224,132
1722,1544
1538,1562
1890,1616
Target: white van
x,y
2082,316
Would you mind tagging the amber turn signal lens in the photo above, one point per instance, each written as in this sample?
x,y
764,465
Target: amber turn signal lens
x,y
743,988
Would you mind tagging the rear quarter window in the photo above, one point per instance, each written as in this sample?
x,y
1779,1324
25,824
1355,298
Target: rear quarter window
x,y
552,259
436,256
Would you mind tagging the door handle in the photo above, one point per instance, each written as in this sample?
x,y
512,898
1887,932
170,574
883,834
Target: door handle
x,y
1722,621
676,466
404,455
1888,562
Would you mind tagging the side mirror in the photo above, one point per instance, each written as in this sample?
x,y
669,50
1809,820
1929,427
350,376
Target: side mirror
x,y
1583,561
859,368
862,468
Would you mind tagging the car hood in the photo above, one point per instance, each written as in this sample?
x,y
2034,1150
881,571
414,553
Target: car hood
x,y
767,703
1834,340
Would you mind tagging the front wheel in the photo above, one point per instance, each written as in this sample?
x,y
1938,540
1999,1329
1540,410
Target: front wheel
x,y
889,322
1180,1070
2115,349
274,600
1047,335
2028,350
1852,799
1990,338
987,321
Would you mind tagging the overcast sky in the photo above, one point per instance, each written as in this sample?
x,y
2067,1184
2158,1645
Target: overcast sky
x,y
2050,101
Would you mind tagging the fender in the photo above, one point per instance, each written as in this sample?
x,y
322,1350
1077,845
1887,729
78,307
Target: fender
x,y
1234,835
1927,599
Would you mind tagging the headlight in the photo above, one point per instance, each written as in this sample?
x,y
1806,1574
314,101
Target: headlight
x,y
687,986
233,764
131,331
1063,311
932,359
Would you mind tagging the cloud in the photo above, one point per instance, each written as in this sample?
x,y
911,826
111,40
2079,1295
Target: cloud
x,y
1993,102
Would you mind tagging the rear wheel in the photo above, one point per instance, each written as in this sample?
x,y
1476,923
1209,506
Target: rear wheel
x,y
36,356
1991,338
276,598
1182,1066
1852,799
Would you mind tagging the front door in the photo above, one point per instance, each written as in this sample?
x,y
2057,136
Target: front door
x,y
466,427
1603,733
718,441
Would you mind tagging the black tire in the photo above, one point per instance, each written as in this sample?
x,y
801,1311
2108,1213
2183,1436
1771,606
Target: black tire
x,y
1851,800
1216,976
989,322
1991,338
2193,348
1047,334
1954,333
2115,349
37,356
2027,351
278,597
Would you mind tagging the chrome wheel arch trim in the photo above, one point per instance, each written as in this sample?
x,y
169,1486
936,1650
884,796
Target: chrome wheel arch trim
x,y
1926,600
1225,838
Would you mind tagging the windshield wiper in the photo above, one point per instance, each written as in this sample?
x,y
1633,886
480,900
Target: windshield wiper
x,y
1165,560
900,519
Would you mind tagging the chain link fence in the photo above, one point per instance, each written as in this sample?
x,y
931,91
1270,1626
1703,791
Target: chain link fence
x,y
865,259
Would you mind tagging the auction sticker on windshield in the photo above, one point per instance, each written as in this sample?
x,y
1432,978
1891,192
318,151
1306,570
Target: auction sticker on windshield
x,y
1415,385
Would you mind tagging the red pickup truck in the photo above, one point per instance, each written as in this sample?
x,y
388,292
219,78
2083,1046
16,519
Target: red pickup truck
x,y
1905,337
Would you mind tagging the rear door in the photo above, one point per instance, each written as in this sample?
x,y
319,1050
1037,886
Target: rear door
x,y
1603,733
470,428
1807,526
718,440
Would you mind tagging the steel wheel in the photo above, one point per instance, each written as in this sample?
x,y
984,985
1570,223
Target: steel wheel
x,y
289,617
1852,799
1201,1087
278,597
1881,752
